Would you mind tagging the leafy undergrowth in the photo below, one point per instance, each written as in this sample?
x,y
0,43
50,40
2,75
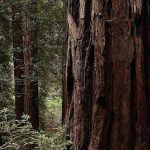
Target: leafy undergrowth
x,y
19,134
50,117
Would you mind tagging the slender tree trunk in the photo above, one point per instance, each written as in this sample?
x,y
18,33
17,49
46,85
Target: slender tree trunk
x,y
64,91
18,59
107,74
64,87
27,61
30,57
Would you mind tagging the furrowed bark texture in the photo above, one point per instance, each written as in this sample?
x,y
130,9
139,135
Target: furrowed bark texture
x,y
30,58
107,74
18,59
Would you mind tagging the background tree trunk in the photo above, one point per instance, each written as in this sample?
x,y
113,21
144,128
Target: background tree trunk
x,y
1,141
31,106
107,74
18,59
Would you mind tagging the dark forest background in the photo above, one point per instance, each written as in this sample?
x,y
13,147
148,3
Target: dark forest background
x,y
31,61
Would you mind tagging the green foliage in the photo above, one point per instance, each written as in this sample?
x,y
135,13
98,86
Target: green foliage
x,y
6,86
54,141
50,42
50,21
51,115
19,134
51,24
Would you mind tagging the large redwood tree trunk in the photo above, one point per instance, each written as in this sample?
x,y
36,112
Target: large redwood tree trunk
x,y
107,75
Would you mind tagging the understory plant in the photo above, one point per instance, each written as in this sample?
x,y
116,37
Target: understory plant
x,y
19,134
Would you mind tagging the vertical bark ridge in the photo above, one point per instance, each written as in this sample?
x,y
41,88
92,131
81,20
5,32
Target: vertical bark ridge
x,y
137,48
83,70
74,10
133,103
70,86
122,53
146,42
108,77
100,105
141,125
82,53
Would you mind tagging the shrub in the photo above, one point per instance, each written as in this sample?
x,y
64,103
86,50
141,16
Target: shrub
x,y
16,134
19,134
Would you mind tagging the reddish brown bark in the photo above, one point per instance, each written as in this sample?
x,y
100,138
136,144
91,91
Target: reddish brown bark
x,y
107,74
30,58
27,61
